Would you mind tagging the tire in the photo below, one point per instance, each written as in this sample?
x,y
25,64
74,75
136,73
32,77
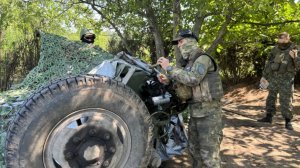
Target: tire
x,y
106,111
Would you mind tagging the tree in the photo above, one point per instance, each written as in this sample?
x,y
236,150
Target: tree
x,y
145,28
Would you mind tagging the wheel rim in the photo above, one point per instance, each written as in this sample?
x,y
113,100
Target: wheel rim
x,y
88,138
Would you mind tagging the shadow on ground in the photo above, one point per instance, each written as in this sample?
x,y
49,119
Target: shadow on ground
x,y
247,143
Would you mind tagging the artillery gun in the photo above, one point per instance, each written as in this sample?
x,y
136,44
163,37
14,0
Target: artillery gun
x,y
112,117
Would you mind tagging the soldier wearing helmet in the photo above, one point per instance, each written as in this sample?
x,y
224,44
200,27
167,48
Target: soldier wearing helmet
x,y
201,79
87,36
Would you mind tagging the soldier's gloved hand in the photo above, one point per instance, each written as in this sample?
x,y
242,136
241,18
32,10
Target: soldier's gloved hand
x,y
293,53
163,62
163,79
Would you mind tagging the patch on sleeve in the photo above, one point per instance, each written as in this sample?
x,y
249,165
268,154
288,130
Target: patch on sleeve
x,y
201,69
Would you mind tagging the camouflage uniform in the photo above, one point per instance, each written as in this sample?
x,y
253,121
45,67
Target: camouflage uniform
x,y
280,71
205,126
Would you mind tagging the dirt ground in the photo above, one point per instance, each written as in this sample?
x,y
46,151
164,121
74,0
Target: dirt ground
x,y
247,143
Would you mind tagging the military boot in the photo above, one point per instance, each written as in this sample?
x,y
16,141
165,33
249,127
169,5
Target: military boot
x,y
267,119
288,124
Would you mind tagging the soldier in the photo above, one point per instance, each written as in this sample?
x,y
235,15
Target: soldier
x,y
87,36
201,79
279,72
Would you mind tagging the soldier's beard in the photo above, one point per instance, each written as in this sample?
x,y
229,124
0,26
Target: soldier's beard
x,y
187,48
284,45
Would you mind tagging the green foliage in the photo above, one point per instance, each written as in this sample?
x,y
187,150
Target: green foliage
x,y
238,33
60,58
2,141
7,110
10,95
18,22
251,22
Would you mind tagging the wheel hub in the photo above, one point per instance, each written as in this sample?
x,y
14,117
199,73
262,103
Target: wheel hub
x,y
93,153
88,138
90,146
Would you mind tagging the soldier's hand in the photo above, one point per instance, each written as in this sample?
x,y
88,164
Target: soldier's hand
x,y
293,53
263,83
164,62
263,80
163,79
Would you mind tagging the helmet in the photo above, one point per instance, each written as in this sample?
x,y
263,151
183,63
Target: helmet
x,y
87,32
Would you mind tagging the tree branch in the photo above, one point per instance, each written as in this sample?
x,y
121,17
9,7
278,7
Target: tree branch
x,y
66,8
199,20
176,25
272,24
154,27
221,33
123,39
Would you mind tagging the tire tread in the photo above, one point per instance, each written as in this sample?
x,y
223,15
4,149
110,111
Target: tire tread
x,y
44,94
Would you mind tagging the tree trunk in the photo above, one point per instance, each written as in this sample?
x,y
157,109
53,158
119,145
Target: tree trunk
x,y
199,20
153,56
2,66
198,23
200,16
176,27
0,43
154,28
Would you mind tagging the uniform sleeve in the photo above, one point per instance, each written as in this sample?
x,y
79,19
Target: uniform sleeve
x,y
267,69
195,75
297,60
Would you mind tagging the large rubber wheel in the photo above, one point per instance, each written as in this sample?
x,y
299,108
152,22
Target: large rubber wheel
x,y
84,121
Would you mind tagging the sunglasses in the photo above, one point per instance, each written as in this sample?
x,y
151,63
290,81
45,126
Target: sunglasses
x,y
89,37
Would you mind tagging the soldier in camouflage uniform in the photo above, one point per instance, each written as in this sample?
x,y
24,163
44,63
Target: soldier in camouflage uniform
x,y
279,72
87,36
200,75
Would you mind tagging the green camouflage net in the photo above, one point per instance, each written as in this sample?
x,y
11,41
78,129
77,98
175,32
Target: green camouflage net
x,y
60,57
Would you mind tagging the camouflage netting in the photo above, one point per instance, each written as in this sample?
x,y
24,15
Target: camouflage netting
x,y
61,57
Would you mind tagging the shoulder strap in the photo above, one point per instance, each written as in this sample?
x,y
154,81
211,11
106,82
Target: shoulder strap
x,y
213,61
191,61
